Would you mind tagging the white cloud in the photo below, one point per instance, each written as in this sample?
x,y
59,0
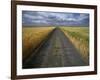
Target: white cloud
x,y
71,19
82,17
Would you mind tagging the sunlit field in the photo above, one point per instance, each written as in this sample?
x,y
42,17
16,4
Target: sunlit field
x,y
32,37
79,36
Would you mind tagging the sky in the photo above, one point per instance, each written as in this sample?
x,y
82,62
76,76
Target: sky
x,y
43,18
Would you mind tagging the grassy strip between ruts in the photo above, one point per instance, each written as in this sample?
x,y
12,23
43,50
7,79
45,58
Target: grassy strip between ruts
x,y
79,36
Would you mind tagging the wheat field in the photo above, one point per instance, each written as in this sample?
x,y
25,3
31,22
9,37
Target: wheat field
x,y
79,36
32,37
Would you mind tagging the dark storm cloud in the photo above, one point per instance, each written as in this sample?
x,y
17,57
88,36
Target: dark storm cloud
x,y
54,18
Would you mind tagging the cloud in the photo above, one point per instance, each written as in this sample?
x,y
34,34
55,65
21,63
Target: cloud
x,y
32,16
54,18
83,16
